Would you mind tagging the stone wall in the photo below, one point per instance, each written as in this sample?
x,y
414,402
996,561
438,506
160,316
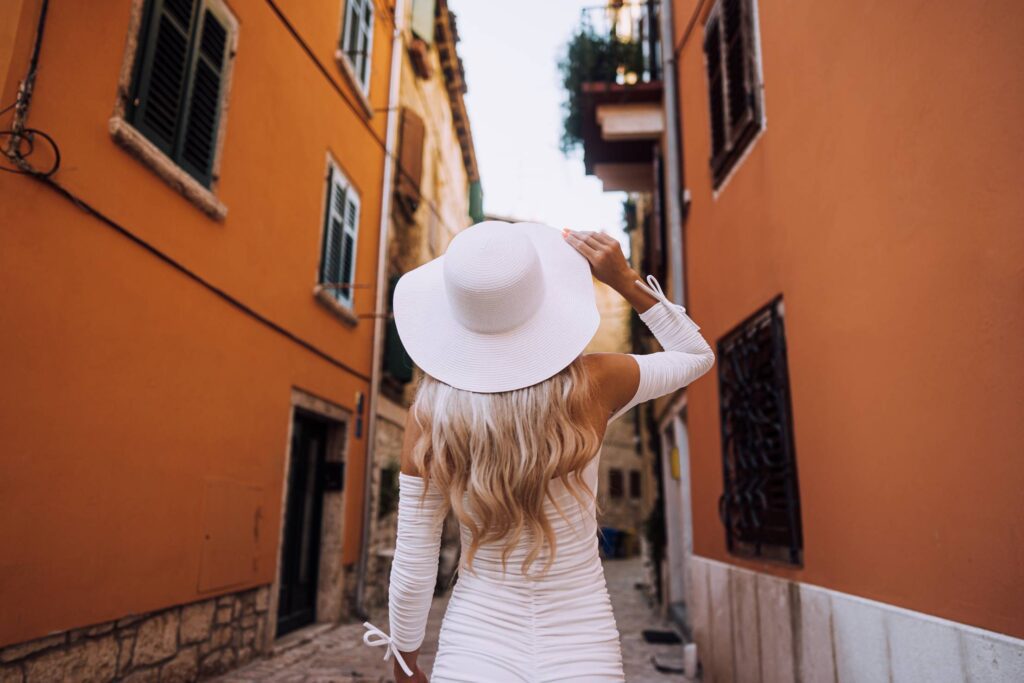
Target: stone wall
x,y
751,626
184,643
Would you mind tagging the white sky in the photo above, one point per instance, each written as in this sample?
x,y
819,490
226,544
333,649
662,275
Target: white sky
x,y
511,52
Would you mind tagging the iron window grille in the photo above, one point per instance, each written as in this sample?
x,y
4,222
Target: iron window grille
x,y
178,80
357,38
340,236
760,505
735,90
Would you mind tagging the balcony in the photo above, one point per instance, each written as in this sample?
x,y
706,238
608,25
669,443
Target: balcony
x,y
612,77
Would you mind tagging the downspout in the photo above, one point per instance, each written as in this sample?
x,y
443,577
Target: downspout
x,y
380,308
673,154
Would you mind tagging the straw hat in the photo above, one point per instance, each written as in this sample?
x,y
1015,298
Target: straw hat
x,y
506,306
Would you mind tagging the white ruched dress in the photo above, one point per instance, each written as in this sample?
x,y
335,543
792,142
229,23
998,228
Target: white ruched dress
x,y
502,626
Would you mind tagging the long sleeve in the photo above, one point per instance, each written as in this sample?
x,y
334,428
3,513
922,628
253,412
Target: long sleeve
x,y
414,569
686,356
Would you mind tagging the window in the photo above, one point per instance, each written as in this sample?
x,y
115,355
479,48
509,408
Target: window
x,y
734,82
760,506
423,12
178,80
397,363
340,236
634,484
616,486
357,39
410,161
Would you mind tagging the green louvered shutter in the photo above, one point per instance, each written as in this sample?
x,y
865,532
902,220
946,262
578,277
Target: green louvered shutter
x,y
330,258
199,140
162,72
350,235
397,362
178,81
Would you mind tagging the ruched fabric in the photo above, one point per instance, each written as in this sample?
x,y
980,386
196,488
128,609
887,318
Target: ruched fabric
x,y
502,626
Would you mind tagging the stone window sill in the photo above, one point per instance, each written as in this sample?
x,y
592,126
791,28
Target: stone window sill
x,y
325,297
136,144
345,65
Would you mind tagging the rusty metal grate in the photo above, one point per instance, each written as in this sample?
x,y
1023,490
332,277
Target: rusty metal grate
x,y
760,505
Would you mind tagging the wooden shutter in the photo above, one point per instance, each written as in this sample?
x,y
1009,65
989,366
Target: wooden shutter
x,y
733,82
410,159
397,362
357,38
330,258
716,86
737,51
162,72
350,234
423,12
366,28
209,59
178,81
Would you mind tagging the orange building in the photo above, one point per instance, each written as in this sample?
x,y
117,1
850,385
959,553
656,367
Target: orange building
x,y
847,233
188,314
852,179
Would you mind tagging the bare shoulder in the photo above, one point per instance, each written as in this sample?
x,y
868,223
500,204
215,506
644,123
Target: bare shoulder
x,y
616,377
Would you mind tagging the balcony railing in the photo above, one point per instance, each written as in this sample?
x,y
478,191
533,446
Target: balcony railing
x,y
615,45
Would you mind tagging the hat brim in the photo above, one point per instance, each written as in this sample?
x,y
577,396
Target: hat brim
x,y
565,322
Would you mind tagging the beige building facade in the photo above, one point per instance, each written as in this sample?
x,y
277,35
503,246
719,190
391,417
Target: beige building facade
x,y
436,194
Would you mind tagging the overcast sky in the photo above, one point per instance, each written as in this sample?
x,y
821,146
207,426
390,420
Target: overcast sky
x,y
511,52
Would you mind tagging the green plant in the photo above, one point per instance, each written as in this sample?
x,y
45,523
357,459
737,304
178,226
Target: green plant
x,y
591,57
629,217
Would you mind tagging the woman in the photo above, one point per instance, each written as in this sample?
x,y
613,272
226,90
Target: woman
x,y
506,431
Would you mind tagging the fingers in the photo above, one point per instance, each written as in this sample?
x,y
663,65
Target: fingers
x,y
582,245
599,239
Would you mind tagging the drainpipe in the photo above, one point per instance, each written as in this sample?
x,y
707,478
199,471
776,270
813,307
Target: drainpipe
x,y
380,308
673,153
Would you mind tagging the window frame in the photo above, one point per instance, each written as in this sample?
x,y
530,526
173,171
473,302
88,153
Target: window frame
x,y
139,98
139,145
345,49
739,136
343,297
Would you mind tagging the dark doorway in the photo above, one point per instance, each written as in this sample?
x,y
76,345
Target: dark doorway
x,y
300,552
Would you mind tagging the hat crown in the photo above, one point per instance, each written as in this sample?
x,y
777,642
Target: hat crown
x,y
493,278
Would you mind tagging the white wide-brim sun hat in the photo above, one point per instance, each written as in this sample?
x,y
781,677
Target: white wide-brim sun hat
x,y
508,305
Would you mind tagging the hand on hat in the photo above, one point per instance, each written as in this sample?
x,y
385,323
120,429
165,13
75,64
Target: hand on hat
x,y
604,253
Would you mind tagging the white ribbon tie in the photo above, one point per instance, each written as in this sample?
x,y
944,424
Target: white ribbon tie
x,y
374,637
654,289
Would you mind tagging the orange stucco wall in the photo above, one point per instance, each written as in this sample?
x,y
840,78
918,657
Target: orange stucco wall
x,y
127,386
883,202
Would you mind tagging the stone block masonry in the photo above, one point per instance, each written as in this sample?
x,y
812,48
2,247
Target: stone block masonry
x,y
183,643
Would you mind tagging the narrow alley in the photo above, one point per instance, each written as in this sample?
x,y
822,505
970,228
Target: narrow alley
x,y
337,654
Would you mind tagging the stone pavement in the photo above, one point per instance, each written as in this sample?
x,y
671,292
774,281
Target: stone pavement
x,y
337,655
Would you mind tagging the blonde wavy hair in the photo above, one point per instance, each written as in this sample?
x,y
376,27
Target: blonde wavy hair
x,y
501,451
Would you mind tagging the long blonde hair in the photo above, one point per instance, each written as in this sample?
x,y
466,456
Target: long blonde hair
x,y
502,451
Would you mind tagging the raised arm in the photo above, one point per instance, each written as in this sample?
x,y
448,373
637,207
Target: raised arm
x,y
686,355
629,379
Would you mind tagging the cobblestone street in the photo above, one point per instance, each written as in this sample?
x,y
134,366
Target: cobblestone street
x,y
338,655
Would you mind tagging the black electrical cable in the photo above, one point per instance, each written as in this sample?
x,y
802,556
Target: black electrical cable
x,y
20,157
195,277
16,155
